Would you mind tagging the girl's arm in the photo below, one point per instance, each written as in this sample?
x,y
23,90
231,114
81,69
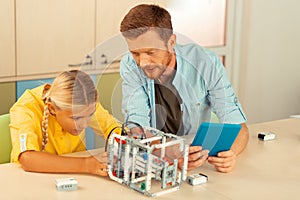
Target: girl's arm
x,y
35,161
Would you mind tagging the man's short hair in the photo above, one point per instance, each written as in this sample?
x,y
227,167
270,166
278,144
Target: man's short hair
x,y
145,17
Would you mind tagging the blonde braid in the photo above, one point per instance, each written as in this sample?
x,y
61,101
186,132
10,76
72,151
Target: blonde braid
x,y
45,120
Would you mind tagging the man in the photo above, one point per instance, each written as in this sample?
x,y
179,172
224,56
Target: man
x,y
176,87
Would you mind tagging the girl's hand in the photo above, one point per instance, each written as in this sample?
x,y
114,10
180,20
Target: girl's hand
x,y
97,164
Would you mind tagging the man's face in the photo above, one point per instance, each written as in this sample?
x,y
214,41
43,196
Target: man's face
x,y
151,53
76,120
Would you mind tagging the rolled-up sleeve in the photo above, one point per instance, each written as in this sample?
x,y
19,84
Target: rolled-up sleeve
x,y
223,100
24,128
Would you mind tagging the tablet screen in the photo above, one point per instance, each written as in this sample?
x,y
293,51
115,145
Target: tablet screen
x,y
216,137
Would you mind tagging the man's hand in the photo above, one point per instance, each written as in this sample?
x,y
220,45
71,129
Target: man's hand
x,y
224,162
196,158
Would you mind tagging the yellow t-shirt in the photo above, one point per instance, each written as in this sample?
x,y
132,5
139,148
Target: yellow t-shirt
x,y
26,117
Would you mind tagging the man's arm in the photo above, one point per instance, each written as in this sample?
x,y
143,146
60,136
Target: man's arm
x,y
241,141
135,100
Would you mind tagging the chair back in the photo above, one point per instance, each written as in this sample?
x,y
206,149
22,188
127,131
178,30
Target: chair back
x,y
5,139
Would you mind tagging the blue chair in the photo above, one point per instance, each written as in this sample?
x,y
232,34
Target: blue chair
x,y
5,139
21,86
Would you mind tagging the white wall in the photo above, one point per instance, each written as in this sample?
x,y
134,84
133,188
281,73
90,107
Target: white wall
x,y
269,85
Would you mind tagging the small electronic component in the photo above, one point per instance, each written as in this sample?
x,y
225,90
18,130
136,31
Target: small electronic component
x,y
266,136
66,184
197,179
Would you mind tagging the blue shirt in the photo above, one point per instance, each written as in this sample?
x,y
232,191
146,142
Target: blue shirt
x,y
200,80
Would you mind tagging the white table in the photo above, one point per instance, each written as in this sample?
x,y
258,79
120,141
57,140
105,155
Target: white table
x,y
265,170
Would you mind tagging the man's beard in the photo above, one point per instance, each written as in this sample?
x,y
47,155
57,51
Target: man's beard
x,y
162,68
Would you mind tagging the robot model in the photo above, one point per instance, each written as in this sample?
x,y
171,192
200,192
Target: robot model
x,y
148,165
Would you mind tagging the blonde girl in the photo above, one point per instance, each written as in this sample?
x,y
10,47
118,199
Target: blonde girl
x,y
50,120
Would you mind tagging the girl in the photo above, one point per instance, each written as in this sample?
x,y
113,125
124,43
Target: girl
x,y
49,120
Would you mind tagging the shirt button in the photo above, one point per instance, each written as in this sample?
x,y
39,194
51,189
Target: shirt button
x,y
235,99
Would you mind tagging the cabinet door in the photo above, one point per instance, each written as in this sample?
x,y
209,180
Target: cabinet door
x,y
110,14
7,39
109,41
52,34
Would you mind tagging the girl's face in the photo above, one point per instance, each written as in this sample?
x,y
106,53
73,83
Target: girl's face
x,y
76,120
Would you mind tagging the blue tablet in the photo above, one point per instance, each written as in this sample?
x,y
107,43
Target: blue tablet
x,y
216,137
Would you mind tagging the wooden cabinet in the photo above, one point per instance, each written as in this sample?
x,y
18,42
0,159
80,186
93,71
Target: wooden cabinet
x,y
109,41
52,34
7,39
40,38
110,14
